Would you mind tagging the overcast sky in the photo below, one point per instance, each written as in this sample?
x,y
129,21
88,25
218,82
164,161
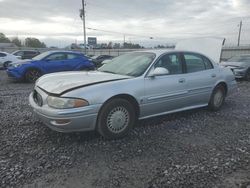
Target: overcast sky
x,y
57,22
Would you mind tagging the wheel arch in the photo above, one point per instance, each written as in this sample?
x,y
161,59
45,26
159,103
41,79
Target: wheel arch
x,y
223,84
32,68
127,97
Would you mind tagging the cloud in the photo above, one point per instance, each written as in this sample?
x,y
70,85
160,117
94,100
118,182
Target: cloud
x,y
164,20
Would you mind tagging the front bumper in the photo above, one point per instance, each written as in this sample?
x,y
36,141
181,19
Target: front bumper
x,y
79,119
239,73
12,73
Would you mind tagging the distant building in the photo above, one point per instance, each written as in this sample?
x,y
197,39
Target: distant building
x,y
8,45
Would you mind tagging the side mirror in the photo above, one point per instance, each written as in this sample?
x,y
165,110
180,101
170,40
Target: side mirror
x,y
159,71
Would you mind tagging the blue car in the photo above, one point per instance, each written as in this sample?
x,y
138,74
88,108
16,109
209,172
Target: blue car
x,y
49,62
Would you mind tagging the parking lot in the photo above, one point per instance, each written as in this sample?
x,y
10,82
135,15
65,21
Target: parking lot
x,y
196,148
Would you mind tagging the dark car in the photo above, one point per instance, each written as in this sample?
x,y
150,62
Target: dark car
x,y
26,54
240,65
97,60
49,62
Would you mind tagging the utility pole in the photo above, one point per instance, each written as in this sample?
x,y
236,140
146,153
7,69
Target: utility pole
x,y
124,40
239,33
82,15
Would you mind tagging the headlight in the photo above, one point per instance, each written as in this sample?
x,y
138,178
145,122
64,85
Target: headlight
x,y
17,65
63,103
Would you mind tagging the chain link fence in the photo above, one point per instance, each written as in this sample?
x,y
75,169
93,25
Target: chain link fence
x,y
227,52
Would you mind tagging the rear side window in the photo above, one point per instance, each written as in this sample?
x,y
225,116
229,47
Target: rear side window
x,y
72,56
2,55
30,53
196,63
208,63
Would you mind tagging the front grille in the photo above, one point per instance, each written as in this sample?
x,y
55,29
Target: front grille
x,y
37,98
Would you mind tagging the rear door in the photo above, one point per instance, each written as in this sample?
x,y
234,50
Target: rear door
x,y
200,78
55,62
167,92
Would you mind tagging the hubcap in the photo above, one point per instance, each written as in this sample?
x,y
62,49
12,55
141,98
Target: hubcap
x,y
218,98
118,119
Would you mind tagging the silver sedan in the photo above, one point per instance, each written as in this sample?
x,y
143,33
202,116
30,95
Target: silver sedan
x,y
133,86
240,65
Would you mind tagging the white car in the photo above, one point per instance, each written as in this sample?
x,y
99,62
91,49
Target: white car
x,y
6,59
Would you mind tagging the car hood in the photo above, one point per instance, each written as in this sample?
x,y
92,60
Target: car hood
x,y
209,46
59,83
25,61
234,64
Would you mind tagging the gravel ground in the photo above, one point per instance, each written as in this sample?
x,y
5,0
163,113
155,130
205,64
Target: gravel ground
x,y
196,148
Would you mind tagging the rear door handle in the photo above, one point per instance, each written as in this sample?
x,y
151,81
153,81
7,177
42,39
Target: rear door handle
x,y
213,75
182,80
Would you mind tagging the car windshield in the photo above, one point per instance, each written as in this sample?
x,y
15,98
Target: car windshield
x,y
41,56
132,64
239,59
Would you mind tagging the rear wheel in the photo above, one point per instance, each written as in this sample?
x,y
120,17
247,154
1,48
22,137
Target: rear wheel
x,y
116,118
217,99
32,75
247,77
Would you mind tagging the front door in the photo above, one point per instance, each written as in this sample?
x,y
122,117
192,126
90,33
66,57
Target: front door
x,y
167,92
55,63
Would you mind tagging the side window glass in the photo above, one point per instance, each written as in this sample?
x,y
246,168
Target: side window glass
x,y
72,56
171,62
2,55
208,63
57,57
194,63
19,53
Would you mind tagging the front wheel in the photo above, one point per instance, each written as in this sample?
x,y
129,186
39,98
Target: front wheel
x,y
32,75
116,118
217,99
6,64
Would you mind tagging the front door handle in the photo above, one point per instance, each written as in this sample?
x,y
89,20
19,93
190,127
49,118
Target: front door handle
x,y
182,80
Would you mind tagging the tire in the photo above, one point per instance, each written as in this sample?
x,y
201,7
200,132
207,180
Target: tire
x,y
116,119
218,98
32,75
247,76
6,64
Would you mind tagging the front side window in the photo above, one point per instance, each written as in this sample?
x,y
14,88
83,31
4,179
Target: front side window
x,y
194,63
20,53
57,57
171,62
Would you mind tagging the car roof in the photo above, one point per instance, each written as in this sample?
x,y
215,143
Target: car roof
x,y
65,51
26,51
159,52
